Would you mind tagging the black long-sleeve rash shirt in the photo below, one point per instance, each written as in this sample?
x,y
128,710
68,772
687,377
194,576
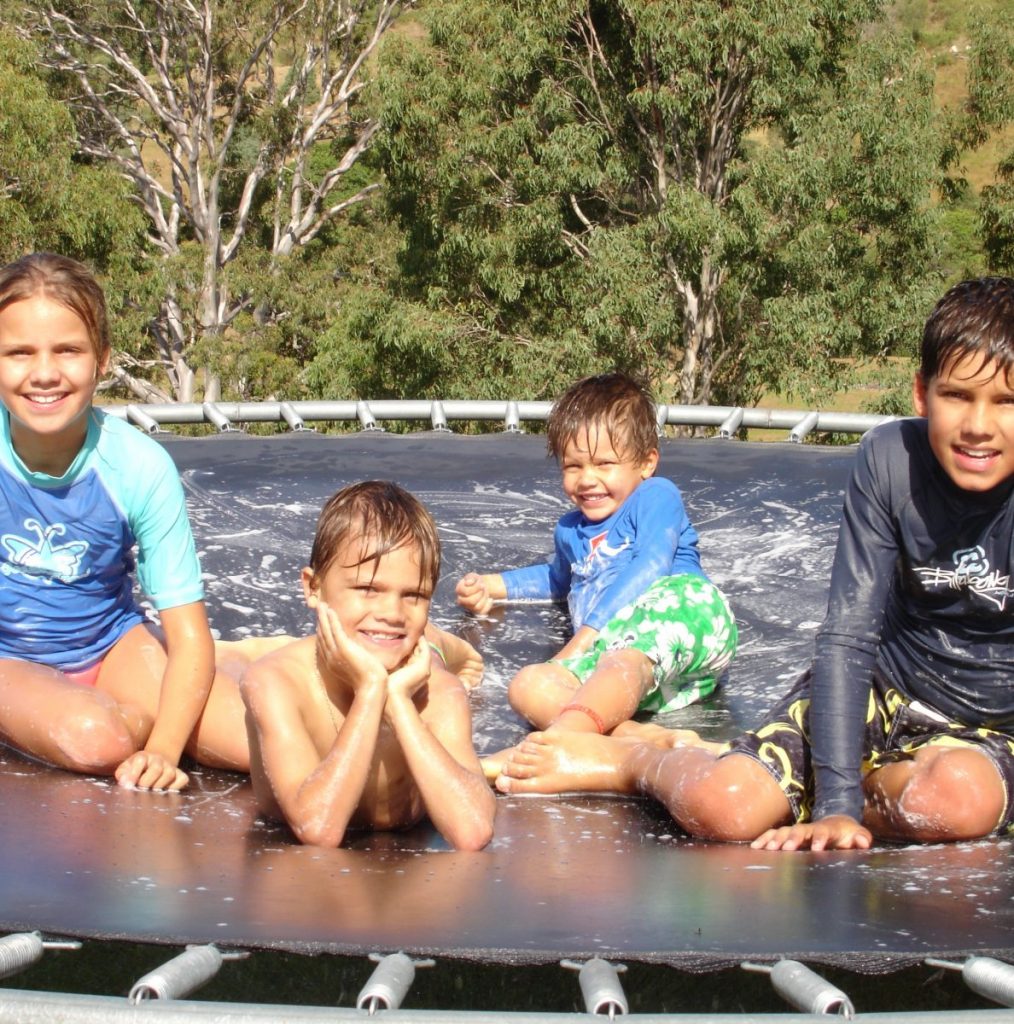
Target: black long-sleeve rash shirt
x,y
921,591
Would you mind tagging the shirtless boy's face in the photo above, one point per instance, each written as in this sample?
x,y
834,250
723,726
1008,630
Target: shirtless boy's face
x,y
381,605
597,478
970,412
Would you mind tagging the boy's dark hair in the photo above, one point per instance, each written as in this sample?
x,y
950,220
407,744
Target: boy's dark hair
x,y
383,517
617,404
975,317
63,280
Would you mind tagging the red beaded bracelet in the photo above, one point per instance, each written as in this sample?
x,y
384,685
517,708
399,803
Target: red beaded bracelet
x,y
591,713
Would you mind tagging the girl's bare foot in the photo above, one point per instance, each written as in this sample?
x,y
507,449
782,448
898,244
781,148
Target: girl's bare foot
x,y
460,657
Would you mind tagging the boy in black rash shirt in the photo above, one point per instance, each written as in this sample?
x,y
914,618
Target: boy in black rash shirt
x,y
903,727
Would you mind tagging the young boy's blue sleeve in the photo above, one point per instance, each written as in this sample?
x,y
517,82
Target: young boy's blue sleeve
x,y
544,581
662,542
846,647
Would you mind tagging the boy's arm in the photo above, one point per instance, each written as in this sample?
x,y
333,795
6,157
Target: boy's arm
x,y
477,593
439,752
542,581
864,570
317,796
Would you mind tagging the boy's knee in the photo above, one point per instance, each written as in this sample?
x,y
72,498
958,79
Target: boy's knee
x,y
530,684
953,793
93,737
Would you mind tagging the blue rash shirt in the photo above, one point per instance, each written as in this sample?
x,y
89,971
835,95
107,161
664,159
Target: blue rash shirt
x,y
66,545
920,594
599,567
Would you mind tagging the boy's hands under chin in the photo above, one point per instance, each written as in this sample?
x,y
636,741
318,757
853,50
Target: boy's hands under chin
x,y
408,679
341,656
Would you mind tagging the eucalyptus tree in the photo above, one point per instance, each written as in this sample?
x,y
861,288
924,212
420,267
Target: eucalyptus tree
x,y
237,124
723,195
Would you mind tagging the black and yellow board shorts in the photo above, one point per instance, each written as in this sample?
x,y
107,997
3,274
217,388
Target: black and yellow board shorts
x,y
896,728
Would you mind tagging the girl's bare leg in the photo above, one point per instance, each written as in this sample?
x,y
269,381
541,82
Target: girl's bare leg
x,y
132,675
65,724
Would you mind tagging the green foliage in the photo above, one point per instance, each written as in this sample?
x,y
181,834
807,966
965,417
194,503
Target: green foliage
x,y
48,200
725,196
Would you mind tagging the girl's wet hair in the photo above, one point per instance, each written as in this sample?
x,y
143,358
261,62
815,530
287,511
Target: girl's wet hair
x,y
615,403
380,517
63,280
974,318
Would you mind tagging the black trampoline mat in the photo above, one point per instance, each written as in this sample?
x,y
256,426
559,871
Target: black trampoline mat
x,y
569,876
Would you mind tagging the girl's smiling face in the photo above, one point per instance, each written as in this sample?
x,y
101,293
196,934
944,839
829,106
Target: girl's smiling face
x,y
49,369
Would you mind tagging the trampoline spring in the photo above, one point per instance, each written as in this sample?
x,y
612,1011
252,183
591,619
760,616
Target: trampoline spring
x,y
178,977
389,983
22,949
600,986
985,976
805,989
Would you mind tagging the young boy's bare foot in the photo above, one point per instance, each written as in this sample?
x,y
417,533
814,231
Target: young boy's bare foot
x,y
566,762
660,736
460,657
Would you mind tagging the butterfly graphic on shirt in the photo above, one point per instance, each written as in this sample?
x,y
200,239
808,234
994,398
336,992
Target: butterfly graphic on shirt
x,y
41,557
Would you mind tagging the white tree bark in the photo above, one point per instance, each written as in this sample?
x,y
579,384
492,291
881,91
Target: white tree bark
x,y
166,91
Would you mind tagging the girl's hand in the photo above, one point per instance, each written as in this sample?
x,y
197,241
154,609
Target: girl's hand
x,y
473,594
407,680
149,770
343,657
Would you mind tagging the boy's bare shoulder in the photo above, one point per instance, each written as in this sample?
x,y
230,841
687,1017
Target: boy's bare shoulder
x,y
444,690
285,671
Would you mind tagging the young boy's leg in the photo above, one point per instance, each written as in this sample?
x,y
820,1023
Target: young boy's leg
x,y
662,652
767,769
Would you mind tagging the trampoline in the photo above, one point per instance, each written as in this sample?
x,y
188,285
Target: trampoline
x,y
574,878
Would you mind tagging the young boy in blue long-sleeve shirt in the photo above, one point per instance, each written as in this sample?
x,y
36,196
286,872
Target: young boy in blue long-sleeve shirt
x,y
651,632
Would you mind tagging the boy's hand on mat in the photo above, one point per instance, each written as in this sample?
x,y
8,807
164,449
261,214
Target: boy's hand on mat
x,y
473,594
342,656
836,832
150,770
407,680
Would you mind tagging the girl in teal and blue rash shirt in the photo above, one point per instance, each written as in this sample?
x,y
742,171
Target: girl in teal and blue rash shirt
x,y
86,683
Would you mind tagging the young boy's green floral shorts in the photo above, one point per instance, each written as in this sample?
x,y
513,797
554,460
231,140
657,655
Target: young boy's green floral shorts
x,y
685,627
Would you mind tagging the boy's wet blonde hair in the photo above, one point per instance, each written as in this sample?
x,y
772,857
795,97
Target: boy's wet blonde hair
x,y
65,281
616,404
380,516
